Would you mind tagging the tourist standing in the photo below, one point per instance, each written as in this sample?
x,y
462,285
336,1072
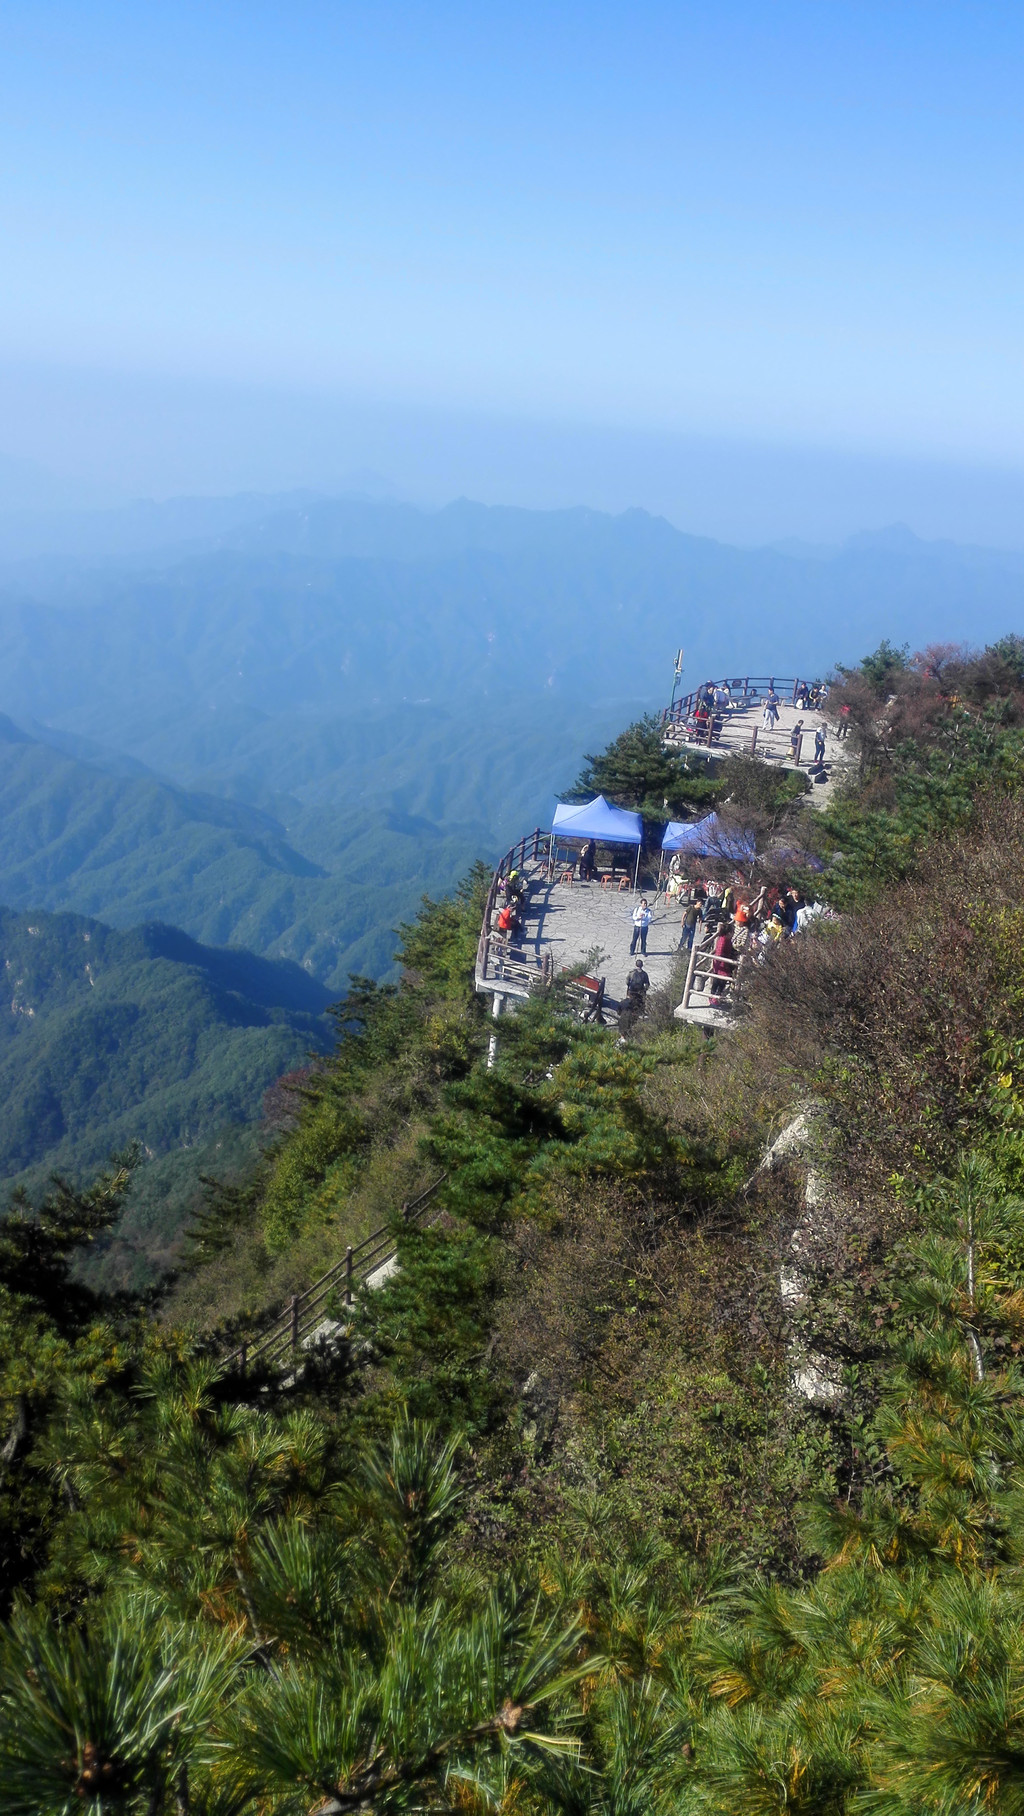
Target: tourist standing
x,y
641,922
637,985
691,915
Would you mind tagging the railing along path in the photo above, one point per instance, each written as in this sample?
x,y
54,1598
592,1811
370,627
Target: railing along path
x,y
304,1313
494,958
498,960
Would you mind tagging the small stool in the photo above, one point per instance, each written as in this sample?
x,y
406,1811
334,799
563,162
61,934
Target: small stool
x,y
624,883
608,880
566,876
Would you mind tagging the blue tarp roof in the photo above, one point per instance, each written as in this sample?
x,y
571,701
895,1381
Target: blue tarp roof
x,y
704,838
597,820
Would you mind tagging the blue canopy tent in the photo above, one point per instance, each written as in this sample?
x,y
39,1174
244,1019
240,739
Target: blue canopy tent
x,y
598,820
706,838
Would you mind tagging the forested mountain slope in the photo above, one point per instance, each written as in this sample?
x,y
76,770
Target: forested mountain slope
x,y
555,1519
110,1038
341,825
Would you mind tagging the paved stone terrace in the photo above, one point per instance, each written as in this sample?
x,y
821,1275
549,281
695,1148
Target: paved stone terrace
x,y
773,747
569,921
564,923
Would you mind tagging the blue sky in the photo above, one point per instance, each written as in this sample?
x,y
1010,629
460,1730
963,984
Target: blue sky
x,y
793,224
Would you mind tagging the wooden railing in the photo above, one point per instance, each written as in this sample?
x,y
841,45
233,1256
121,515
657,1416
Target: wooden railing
x,y
494,959
746,690
279,1344
701,970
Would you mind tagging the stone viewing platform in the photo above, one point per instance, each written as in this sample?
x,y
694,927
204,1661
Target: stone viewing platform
x,y
585,927
739,731
568,923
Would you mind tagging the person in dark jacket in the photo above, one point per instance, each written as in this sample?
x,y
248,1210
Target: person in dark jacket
x,y
711,913
691,915
637,985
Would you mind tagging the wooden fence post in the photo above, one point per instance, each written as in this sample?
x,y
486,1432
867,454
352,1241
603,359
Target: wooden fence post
x,y
405,1213
243,1356
688,986
753,742
293,1308
348,1275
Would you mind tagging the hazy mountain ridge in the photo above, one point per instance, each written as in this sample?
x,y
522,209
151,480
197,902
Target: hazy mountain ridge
x,y
348,605
284,739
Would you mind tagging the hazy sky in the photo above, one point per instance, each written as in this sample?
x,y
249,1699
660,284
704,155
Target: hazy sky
x,y
794,224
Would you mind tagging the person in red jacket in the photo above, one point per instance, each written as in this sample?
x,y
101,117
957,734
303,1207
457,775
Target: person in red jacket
x,y
722,970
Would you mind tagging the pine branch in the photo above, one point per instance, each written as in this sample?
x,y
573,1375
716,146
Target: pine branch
x,y
377,1779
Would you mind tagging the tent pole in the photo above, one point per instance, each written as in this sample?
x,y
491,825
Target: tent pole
x,y
636,873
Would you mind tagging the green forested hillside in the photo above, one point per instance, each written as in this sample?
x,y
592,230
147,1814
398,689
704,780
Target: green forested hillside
x,y
110,1038
671,1472
306,840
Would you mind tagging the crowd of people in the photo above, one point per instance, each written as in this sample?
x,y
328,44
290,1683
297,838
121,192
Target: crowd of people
x,y
729,923
512,892
733,925
721,697
808,698
714,701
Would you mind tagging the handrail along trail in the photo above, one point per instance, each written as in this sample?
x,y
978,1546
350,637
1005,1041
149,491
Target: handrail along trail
x,y
282,1339
537,846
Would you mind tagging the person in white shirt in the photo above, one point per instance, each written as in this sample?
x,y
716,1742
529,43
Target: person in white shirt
x,y
641,922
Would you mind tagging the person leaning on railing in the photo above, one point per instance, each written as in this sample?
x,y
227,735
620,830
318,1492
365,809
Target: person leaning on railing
x,y
723,964
691,916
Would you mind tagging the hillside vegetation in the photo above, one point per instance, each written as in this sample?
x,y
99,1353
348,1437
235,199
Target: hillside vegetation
x,y
353,821
552,1528
112,1039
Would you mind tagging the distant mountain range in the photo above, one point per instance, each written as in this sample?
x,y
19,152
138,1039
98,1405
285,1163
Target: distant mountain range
x,y
358,819
279,721
350,605
276,723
